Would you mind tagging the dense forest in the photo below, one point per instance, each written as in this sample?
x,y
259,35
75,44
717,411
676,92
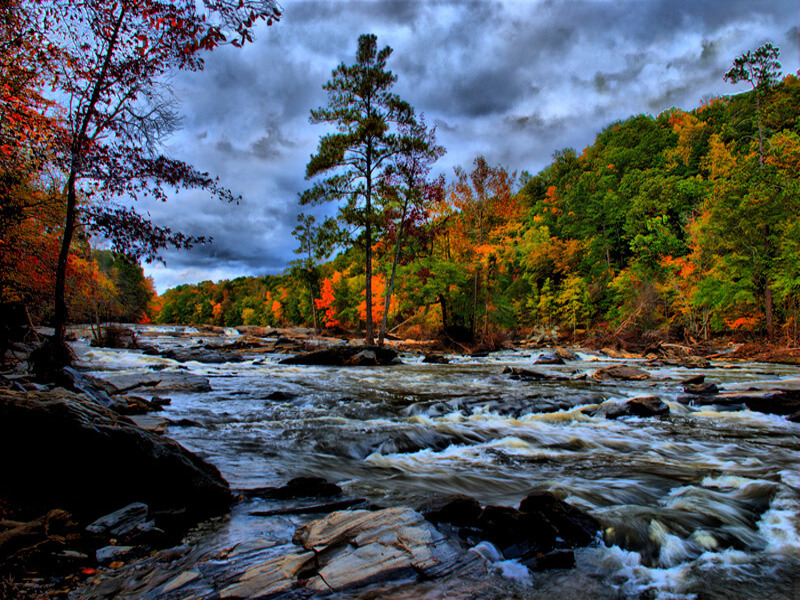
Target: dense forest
x,y
682,225
675,224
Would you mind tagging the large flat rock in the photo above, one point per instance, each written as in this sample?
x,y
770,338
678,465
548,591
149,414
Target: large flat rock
x,y
354,548
162,381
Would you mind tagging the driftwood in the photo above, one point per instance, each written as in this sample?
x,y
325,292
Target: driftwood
x,y
23,536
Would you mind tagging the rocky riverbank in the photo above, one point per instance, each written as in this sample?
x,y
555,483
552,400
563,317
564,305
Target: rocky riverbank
x,y
97,499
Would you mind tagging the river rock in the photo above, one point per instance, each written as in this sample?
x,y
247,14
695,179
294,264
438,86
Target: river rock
x,y
614,353
620,372
206,355
566,354
458,510
109,554
549,358
641,406
358,547
696,379
117,383
703,389
340,356
519,373
542,524
69,451
687,362
436,359
349,549
299,487
776,402
120,522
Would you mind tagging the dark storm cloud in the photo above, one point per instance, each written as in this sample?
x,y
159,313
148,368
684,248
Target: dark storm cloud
x,y
513,81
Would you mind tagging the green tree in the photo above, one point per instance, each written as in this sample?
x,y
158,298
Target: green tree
x,y
316,243
761,69
407,196
366,115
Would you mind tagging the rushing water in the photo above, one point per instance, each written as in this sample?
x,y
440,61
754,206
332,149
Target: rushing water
x,y
700,504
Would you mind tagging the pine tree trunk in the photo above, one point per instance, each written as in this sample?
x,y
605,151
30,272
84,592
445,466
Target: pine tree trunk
x,y
369,337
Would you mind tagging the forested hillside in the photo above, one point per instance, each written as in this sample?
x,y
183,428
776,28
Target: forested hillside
x,y
684,224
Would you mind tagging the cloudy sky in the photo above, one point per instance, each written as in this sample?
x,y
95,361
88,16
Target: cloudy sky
x,y
511,80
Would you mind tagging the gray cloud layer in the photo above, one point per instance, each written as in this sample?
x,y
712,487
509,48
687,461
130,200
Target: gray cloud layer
x,y
511,80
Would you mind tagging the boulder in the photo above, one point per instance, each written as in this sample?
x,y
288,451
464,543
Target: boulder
x,y
542,524
436,359
776,402
340,356
620,372
572,525
207,355
458,510
641,406
531,375
70,452
566,354
549,358
703,389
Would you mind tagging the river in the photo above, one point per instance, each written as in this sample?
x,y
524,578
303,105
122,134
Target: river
x,y
700,504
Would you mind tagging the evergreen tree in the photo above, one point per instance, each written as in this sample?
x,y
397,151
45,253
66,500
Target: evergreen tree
x,y
366,115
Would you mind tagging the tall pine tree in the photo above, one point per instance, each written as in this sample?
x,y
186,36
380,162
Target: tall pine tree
x,y
367,117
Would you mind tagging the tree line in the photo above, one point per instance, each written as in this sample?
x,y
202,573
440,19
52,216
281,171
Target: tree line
x,y
684,223
680,225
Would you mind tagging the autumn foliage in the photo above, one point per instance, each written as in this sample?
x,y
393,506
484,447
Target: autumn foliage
x,y
658,228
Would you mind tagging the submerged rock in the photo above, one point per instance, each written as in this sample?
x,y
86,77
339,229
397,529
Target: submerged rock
x,y
776,402
69,451
299,487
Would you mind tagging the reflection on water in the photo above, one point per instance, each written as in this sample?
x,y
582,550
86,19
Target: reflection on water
x,y
698,504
